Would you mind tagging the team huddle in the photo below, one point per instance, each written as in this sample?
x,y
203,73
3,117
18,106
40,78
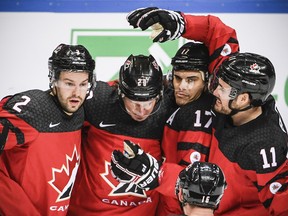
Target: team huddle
x,y
206,139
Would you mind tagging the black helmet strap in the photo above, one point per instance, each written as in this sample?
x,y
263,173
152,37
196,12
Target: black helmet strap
x,y
234,111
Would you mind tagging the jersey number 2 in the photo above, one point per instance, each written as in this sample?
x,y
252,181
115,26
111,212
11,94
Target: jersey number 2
x,y
22,103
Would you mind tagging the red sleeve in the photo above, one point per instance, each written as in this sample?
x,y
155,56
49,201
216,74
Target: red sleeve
x,y
220,39
14,200
184,156
167,179
199,138
274,194
18,130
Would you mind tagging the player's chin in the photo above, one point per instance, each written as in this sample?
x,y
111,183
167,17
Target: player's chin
x,y
71,108
140,118
181,101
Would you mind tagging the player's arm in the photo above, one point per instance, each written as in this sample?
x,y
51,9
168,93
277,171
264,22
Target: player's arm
x,y
14,200
167,179
14,131
218,37
193,146
190,146
278,206
185,147
270,175
6,128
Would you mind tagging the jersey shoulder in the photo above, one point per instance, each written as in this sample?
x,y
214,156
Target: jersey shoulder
x,y
42,111
254,144
103,93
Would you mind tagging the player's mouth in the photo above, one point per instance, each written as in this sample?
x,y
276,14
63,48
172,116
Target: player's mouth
x,y
180,94
74,102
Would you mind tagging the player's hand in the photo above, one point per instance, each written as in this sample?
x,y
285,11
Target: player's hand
x,y
172,23
134,16
134,165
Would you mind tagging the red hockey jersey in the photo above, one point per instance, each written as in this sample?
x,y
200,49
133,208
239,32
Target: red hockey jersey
x,y
40,156
253,158
188,131
107,124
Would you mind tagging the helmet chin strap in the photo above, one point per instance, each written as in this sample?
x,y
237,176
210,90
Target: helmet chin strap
x,y
234,111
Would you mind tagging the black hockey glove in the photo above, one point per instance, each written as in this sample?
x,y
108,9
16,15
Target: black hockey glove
x,y
134,165
172,22
134,16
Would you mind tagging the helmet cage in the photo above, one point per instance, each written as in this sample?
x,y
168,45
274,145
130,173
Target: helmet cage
x,y
213,83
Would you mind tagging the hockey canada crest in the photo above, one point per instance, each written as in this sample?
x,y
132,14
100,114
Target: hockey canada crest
x,y
255,68
63,178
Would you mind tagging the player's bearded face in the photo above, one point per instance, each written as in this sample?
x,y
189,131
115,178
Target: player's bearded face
x,y
71,89
188,86
222,92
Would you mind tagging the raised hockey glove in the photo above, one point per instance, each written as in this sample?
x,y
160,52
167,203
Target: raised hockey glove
x,y
134,16
134,165
172,22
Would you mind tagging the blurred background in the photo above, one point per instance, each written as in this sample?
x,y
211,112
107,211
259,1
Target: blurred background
x,y
31,29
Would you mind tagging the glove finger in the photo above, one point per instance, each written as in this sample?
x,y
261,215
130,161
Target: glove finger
x,y
162,37
118,158
149,19
119,164
116,155
135,15
138,13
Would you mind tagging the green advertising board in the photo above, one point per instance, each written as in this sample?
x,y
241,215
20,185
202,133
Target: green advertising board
x,y
119,43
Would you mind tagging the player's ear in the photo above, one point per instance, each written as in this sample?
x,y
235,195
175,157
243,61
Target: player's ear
x,y
243,99
180,195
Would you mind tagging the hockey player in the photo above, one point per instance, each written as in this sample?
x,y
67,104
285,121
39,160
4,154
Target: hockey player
x,y
265,191
252,138
40,137
188,131
199,188
136,111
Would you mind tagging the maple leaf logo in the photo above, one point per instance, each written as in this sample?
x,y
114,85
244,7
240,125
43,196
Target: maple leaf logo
x,y
63,179
255,68
121,189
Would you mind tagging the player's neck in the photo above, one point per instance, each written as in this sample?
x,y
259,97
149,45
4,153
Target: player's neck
x,y
246,116
197,211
